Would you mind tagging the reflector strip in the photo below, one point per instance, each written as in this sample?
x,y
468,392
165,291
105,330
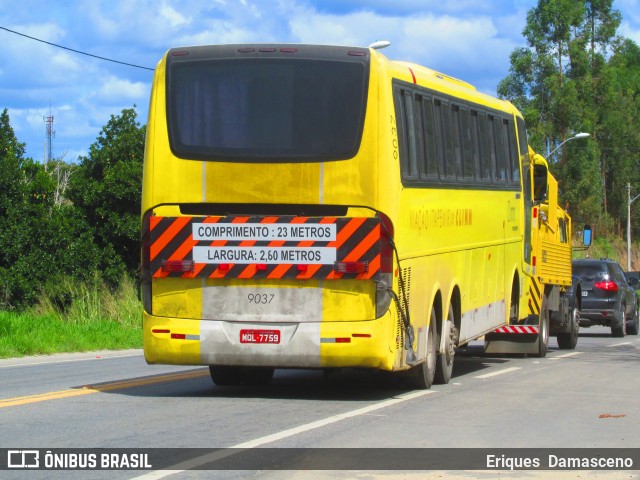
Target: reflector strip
x,y
266,247
336,340
532,329
184,336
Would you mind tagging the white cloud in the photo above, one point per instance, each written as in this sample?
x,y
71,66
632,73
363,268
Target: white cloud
x,y
628,31
467,39
174,18
455,46
115,89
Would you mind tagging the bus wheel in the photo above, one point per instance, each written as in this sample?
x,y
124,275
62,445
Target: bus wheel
x,y
422,375
257,375
224,375
543,334
444,362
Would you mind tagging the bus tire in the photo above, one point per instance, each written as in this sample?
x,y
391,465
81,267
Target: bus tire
x,y
225,375
257,375
422,376
444,360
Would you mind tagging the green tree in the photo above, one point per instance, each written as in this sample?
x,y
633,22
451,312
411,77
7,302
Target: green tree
x,y
11,153
566,81
106,187
40,242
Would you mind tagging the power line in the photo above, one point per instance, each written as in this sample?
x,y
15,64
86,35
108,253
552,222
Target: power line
x,y
76,51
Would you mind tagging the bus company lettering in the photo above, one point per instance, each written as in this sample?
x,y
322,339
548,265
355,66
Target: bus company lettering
x,y
429,219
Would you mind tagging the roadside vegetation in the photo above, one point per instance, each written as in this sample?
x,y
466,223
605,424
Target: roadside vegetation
x,y
70,229
87,317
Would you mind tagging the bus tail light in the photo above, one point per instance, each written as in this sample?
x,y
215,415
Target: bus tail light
x,y
145,273
179,266
383,299
351,267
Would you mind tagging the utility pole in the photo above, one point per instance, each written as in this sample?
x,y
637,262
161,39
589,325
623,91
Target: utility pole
x,y
629,202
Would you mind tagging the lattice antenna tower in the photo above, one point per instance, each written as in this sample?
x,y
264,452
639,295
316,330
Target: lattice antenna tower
x,y
51,133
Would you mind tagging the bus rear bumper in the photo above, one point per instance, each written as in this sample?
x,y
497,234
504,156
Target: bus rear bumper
x,y
280,345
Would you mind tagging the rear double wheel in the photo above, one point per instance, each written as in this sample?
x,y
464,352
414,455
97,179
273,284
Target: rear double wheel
x,y
422,376
444,360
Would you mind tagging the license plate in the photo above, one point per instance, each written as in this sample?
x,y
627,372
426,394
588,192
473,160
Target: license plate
x,y
259,336
585,293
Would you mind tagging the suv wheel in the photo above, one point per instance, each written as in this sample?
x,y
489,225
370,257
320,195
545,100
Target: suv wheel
x,y
632,328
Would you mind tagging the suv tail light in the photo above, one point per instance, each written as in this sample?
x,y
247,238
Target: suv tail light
x,y
607,285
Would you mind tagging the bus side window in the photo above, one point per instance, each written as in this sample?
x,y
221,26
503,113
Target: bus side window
x,y
411,166
501,151
447,133
468,160
456,140
486,158
421,156
492,147
475,144
440,141
431,160
512,152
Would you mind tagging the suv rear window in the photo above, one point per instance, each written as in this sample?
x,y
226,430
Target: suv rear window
x,y
591,271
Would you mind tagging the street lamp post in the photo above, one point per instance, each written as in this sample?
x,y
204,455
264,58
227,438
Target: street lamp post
x,y
629,202
576,136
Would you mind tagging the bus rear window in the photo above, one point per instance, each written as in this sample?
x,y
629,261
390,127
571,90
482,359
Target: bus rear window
x,y
266,109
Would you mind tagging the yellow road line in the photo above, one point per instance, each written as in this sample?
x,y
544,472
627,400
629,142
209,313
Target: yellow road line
x,y
101,387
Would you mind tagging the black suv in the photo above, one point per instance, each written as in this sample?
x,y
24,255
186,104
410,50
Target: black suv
x,y
607,298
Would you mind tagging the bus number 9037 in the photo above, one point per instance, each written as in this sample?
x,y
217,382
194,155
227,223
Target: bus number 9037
x,y
260,298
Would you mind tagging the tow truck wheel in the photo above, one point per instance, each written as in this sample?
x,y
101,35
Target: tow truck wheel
x,y
569,340
543,334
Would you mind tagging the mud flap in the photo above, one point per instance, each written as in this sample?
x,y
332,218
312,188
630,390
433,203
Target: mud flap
x,y
521,339
511,343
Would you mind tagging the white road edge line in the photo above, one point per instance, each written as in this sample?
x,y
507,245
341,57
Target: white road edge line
x,y
211,457
50,362
566,355
499,372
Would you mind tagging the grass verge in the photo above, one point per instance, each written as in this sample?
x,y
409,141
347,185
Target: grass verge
x,y
93,318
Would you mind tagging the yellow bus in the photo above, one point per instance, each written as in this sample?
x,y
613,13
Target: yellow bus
x,y
309,206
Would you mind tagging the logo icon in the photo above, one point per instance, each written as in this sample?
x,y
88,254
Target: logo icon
x,y
23,459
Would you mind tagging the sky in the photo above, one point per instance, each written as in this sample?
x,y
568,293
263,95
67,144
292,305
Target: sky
x,y
467,39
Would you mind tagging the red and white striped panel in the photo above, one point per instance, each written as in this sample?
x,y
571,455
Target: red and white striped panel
x,y
518,329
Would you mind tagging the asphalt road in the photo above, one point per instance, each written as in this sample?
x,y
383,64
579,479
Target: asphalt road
x,y
586,398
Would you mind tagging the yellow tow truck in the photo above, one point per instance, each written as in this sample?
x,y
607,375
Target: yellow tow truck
x,y
550,298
